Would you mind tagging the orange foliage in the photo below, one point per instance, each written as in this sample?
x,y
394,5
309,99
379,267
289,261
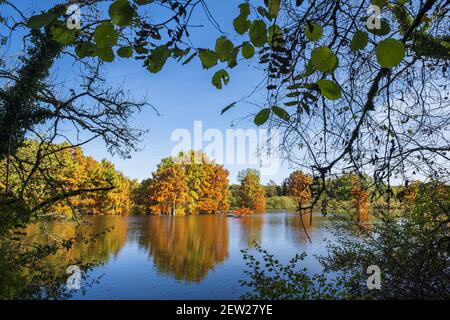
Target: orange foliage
x,y
66,169
298,185
187,184
242,211
360,198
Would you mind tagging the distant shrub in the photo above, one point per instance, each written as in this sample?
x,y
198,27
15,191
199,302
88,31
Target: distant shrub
x,y
281,202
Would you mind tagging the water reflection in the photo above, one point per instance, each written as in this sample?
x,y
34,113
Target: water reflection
x,y
161,256
297,224
186,247
250,228
98,241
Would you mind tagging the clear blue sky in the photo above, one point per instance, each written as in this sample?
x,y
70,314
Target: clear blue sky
x,y
182,94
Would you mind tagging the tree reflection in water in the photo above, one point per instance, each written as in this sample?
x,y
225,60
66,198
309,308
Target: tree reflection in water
x,y
100,238
186,247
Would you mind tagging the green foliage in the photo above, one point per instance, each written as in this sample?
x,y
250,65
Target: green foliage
x,y
275,36
262,116
281,202
268,279
157,58
121,13
41,20
313,31
224,48
274,8
241,23
379,3
359,40
258,33
125,52
63,35
85,49
105,35
329,89
248,51
281,113
384,30
390,53
219,77
208,58
323,59
411,250
251,193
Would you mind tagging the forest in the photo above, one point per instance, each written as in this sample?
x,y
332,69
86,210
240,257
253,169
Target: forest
x,y
189,184
357,90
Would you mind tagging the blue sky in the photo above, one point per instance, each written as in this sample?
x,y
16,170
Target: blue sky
x,y
182,94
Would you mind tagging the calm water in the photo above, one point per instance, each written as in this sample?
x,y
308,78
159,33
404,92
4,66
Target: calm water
x,y
193,257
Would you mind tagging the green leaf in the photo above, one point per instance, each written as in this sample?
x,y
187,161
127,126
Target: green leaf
x,y
313,31
241,24
390,53
140,49
329,89
158,58
291,103
105,54
379,3
105,35
224,48
189,59
295,86
281,113
41,20
143,2
121,13
219,77
359,40
247,50
383,30
323,59
258,33
274,35
63,35
232,61
85,49
274,8
262,117
263,12
228,107
208,58
244,9
125,52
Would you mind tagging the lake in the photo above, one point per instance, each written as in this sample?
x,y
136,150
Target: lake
x,y
186,257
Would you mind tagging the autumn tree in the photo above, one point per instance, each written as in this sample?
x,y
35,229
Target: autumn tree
x,y
168,191
186,184
251,192
359,196
67,170
298,185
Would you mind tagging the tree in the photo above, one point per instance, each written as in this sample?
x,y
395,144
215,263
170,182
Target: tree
x,y
68,170
272,189
251,193
346,95
298,185
186,184
412,251
168,191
